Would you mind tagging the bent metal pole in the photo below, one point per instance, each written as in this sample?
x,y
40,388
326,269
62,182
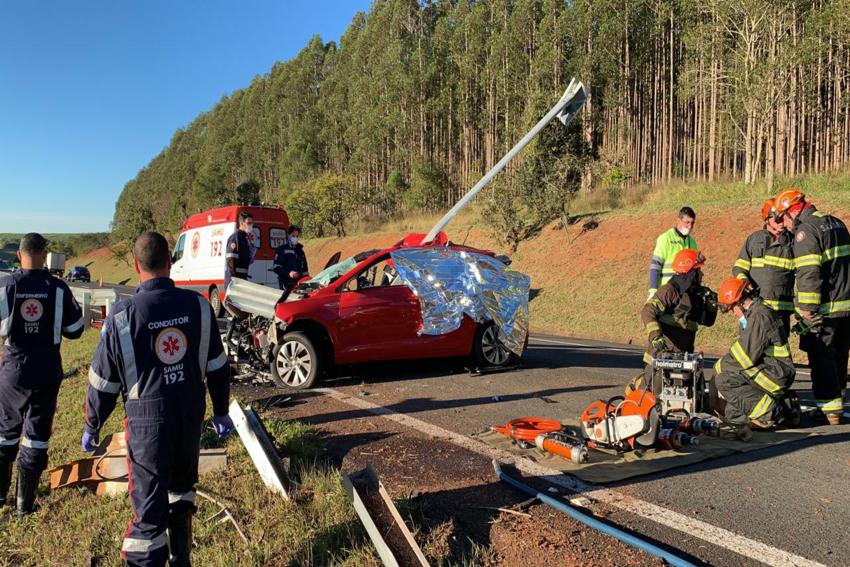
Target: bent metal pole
x,y
565,109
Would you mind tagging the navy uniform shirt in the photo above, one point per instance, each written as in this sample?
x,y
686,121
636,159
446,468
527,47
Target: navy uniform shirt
x,y
158,344
239,251
36,311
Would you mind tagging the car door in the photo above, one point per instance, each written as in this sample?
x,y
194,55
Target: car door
x,y
376,322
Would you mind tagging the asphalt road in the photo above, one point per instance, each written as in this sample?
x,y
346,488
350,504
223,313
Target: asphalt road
x,y
792,497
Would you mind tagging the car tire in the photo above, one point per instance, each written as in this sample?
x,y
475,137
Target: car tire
x,y
488,351
296,363
215,302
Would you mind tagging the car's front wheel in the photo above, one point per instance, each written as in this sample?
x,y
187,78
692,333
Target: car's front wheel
x,y
295,362
488,350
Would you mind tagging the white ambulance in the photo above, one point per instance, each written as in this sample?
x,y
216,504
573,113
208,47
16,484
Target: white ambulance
x,y
199,263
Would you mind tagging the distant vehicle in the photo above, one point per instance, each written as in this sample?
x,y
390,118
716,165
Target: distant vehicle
x,y
4,266
199,262
56,263
79,274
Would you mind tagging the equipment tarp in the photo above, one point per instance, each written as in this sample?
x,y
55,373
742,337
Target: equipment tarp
x,y
451,283
605,467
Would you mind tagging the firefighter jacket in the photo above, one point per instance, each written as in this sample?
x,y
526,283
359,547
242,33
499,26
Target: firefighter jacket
x,y
36,311
156,348
822,261
239,255
761,352
666,247
768,263
676,310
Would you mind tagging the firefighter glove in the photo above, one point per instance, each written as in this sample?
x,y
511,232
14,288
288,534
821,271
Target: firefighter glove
x,y
658,343
806,325
223,425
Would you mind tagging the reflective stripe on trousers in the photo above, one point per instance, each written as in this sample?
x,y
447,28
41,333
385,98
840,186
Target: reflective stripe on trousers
x,y
136,545
32,443
174,497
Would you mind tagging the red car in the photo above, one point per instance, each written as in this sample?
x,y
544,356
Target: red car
x,y
358,311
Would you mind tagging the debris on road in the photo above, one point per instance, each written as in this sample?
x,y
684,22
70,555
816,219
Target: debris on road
x,y
260,448
223,514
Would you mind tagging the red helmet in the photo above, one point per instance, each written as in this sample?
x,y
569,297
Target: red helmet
x,y
788,198
687,260
731,291
768,209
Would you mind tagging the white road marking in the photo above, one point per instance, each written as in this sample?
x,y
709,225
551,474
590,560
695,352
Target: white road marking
x,y
636,351
720,537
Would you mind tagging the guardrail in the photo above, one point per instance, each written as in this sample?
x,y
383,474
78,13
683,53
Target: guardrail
x,y
95,300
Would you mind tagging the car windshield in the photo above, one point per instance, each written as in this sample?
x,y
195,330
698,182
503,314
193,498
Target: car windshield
x,y
331,273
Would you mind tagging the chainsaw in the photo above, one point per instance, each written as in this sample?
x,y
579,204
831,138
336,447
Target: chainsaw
x,y
622,423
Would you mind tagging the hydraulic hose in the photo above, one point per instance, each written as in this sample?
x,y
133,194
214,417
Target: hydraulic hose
x,y
528,428
634,541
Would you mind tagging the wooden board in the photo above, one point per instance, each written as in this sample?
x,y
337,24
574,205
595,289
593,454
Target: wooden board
x,y
105,472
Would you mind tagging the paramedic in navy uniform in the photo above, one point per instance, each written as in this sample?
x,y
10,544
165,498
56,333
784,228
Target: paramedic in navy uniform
x,y
156,349
36,311
239,253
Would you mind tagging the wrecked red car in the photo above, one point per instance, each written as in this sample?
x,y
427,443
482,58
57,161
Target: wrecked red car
x,y
359,310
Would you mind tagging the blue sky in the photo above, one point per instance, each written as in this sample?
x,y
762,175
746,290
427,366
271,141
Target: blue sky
x,y
91,90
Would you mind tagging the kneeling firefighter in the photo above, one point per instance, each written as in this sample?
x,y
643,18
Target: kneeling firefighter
x,y
674,312
753,378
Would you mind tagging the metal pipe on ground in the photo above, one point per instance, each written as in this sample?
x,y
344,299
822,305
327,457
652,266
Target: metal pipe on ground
x,y
612,531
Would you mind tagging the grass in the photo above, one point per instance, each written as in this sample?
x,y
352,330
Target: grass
x,y
75,527
827,190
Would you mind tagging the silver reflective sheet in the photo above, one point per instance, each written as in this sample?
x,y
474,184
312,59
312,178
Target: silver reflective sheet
x,y
451,283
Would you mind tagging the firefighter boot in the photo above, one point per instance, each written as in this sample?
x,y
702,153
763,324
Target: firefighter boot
x,y
5,481
179,538
26,488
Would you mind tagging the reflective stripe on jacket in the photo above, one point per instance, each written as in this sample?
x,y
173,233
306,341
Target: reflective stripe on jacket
x,y
822,261
768,263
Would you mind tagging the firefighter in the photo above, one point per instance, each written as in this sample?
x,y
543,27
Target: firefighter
x,y
753,378
673,313
36,311
667,245
822,261
156,350
290,262
766,260
239,253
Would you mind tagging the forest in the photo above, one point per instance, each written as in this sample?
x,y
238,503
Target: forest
x,y
420,98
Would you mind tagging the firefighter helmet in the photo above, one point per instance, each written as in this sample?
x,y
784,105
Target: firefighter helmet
x,y
687,260
768,209
787,198
731,291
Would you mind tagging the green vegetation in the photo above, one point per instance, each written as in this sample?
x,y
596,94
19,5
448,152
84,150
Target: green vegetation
x,y
418,99
75,527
